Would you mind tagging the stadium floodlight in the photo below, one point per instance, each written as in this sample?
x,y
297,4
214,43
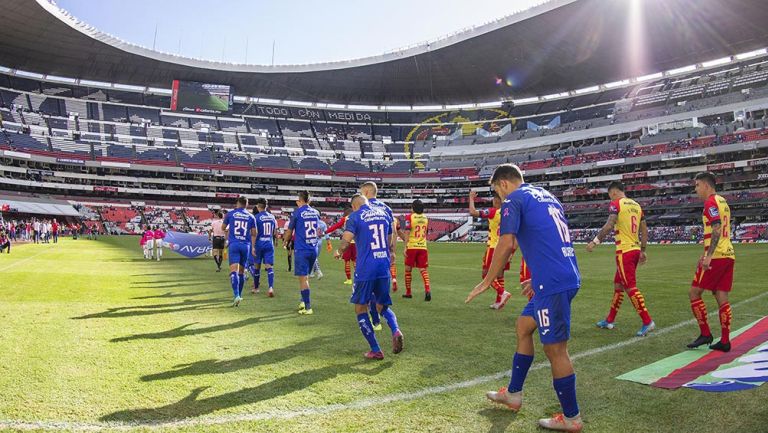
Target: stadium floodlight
x,y
616,84
128,87
94,83
716,62
57,79
751,54
682,70
459,106
241,99
5,69
22,73
587,90
363,107
397,107
297,103
488,104
335,106
427,107
649,77
159,91
268,101
555,96
525,100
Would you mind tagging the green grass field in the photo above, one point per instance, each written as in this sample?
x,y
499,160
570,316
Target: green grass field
x,y
94,337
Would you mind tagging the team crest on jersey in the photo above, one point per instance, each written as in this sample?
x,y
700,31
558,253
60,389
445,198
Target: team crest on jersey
x,y
713,212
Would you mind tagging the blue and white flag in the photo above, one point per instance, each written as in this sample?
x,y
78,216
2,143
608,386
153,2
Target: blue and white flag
x,y
186,244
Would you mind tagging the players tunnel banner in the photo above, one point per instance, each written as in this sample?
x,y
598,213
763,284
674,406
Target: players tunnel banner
x,y
744,367
186,244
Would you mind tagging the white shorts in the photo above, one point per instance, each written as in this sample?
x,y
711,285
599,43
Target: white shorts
x,y
150,244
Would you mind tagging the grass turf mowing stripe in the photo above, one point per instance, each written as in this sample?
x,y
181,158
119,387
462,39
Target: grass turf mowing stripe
x,y
309,411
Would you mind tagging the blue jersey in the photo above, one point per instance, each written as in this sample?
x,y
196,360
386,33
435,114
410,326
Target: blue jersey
x,y
304,223
239,222
266,224
537,219
372,228
377,204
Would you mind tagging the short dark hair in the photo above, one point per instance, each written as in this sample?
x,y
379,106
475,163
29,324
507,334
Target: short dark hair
x,y
261,201
616,185
708,177
242,201
304,196
418,206
220,214
507,172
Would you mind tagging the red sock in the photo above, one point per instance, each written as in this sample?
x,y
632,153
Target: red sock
x,y
618,298
425,277
499,289
700,313
408,278
725,322
638,301
348,269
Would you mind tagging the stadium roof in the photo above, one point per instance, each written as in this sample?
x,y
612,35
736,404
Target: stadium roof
x,y
560,46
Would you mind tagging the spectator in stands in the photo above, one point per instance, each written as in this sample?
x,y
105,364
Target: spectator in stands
x,y
5,242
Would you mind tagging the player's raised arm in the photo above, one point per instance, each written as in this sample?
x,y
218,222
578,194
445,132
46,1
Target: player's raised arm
x,y
472,211
607,228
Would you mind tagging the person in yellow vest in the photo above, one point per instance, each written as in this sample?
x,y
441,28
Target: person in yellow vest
x,y
715,269
627,220
416,255
493,215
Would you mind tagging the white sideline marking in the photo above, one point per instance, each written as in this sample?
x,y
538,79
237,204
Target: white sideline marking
x,y
22,261
320,410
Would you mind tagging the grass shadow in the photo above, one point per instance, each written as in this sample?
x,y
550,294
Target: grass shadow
x,y
193,406
185,331
145,310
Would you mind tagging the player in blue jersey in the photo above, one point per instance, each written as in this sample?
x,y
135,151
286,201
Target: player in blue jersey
x,y
241,231
371,229
303,224
534,219
322,227
370,190
264,253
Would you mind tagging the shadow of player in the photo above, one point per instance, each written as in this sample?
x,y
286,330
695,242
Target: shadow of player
x,y
193,406
185,331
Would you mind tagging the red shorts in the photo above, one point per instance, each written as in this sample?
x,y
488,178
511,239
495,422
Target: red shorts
x,y
719,276
626,268
350,253
416,258
488,258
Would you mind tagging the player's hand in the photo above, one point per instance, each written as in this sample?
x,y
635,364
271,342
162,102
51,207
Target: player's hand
x,y
253,252
480,288
337,255
706,262
527,290
590,246
472,195
643,258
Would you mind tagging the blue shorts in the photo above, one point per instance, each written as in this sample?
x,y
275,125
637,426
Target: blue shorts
x,y
553,315
303,261
264,255
238,253
363,292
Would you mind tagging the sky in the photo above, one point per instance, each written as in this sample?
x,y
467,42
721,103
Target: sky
x,y
303,31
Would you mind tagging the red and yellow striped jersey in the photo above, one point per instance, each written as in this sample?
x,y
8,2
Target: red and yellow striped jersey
x,y
417,224
627,228
716,210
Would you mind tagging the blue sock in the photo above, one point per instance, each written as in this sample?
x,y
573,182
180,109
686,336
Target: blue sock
x,y
235,282
367,329
240,284
256,278
391,319
305,298
271,277
375,319
565,388
520,365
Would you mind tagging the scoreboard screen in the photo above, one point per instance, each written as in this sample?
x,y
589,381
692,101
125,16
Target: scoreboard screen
x,y
204,98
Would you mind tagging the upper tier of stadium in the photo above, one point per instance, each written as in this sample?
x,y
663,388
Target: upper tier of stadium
x,y
603,41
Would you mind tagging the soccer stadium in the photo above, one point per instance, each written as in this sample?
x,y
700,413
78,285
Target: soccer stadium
x,y
186,243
